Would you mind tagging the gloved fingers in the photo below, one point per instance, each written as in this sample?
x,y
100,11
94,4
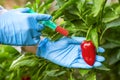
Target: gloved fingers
x,y
37,16
82,64
33,36
41,17
101,50
21,10
97,64
40,27
76,40
34,33
81,61
78,65
98,58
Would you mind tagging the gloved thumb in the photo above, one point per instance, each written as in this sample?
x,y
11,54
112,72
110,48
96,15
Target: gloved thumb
x,y
76,40
43,41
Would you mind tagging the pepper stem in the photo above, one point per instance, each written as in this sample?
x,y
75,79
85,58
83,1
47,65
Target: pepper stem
x,y
88,33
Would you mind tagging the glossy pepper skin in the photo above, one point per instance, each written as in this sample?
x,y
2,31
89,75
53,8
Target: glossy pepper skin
x,y
88,52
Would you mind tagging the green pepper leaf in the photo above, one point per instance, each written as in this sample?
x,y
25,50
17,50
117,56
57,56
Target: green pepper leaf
x,y
80,5
103,67
23,61
109,15
62,8
97,6
93,35
83,72
117,9
114,58
113,23
91,76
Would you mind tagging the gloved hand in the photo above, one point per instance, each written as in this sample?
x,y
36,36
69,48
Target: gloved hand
x,y
66,52
18,27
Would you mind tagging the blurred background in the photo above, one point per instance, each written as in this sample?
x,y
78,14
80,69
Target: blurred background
x,y
8,4
47,69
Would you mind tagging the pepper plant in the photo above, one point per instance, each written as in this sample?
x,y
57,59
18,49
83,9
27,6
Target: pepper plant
x,y
96,20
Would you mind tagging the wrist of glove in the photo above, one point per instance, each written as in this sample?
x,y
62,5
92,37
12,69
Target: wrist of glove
x,y
66,52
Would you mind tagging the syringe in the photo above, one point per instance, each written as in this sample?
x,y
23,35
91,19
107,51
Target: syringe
x,y
53,26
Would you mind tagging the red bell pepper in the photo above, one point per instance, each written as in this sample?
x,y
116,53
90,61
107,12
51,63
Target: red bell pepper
x,y
88,52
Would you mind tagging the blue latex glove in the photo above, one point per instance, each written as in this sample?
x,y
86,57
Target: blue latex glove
x,y
66,52
18,27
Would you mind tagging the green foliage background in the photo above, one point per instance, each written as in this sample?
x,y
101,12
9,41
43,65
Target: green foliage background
x,y
94,19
